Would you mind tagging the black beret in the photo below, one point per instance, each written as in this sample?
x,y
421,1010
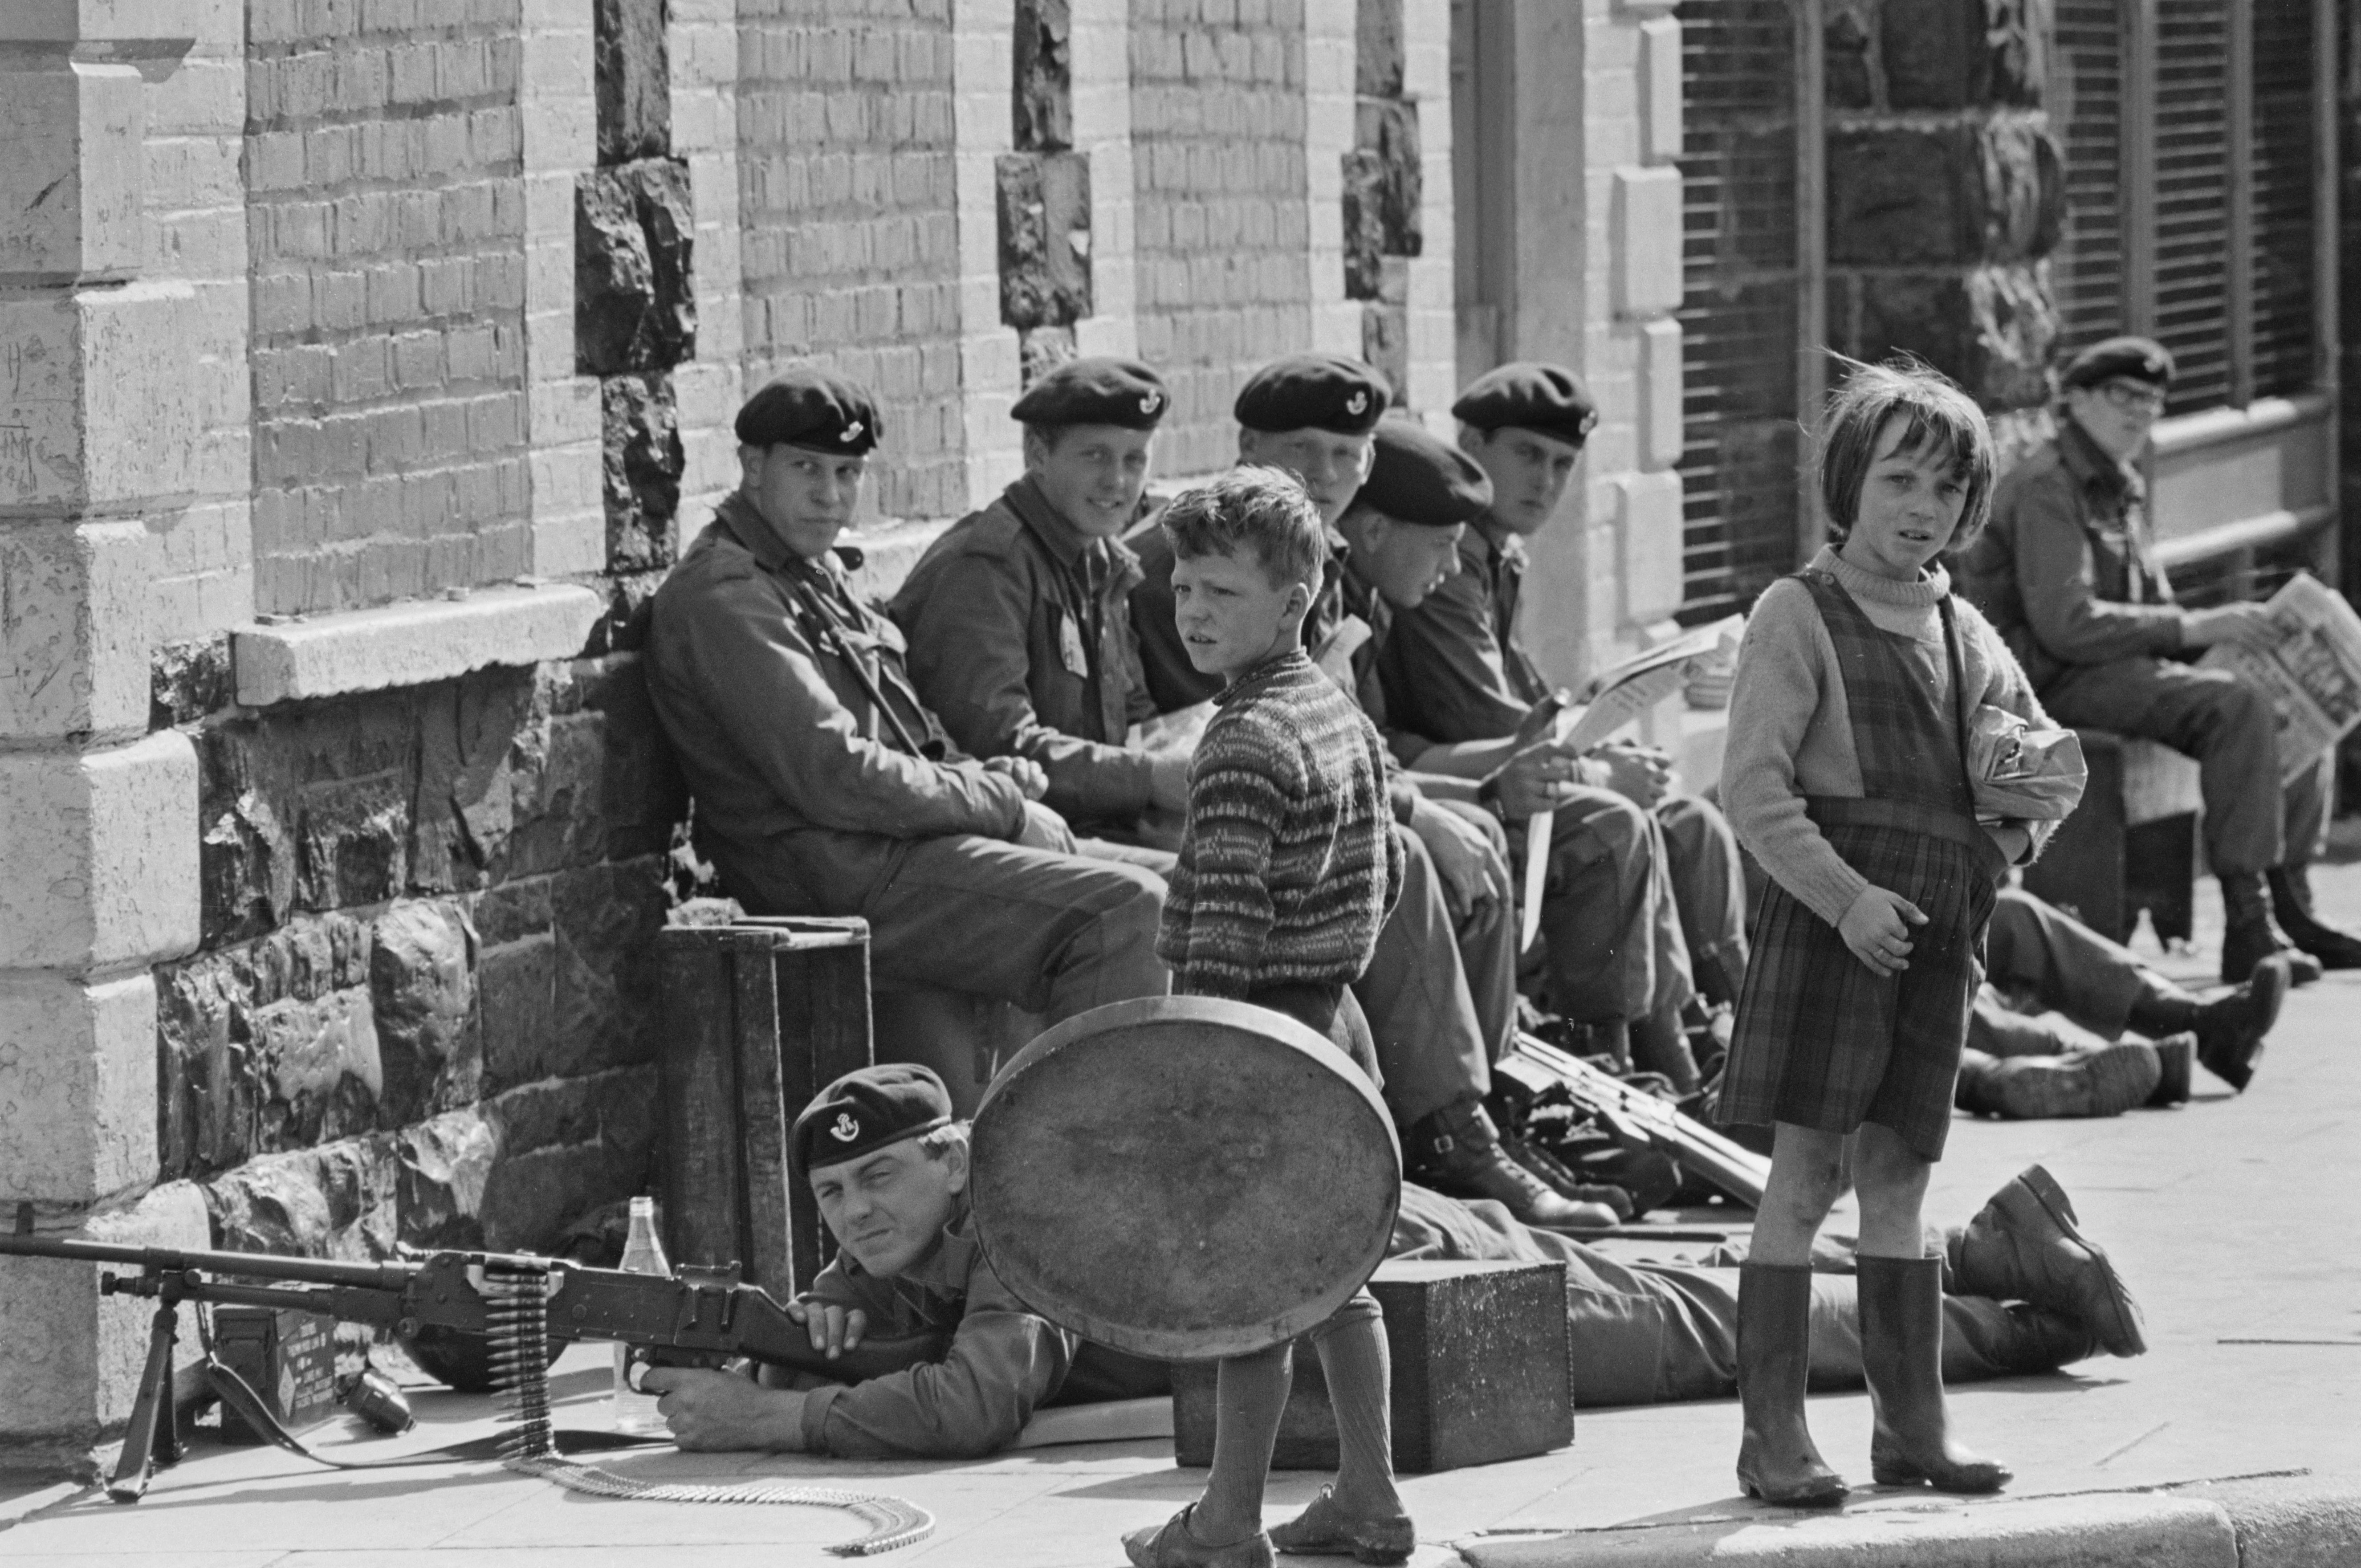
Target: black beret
x,y
1314,392
1418,477
1546,398
1097,392
862,1111
2133,358
811,408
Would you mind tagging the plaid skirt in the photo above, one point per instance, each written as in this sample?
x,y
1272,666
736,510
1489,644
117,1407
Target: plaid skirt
x,y
1824,1041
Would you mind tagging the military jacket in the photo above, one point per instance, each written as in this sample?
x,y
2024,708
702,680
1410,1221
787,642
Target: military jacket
x,y
787,701
2067,570
1002,1361
1452,668
1020,639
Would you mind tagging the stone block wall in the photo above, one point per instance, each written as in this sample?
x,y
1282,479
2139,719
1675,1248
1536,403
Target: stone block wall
x,y
385,222
426,973
1946,192
346,303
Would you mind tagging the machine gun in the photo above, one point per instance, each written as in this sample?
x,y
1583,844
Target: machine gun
x,y
696,1317
1534,1068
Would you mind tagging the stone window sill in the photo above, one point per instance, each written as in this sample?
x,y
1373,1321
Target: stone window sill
x,y
412,644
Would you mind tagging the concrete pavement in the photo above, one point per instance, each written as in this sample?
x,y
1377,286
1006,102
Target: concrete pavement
x,y
2232,1218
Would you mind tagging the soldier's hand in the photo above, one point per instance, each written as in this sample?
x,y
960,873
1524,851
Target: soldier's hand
x,y
1168,780
1537,779
2247,625
1045,829
1641,775
1473,872
1028,774
714,1411
833,1329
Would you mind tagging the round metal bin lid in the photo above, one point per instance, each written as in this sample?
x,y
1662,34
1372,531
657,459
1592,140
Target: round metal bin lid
x,y
1183,1178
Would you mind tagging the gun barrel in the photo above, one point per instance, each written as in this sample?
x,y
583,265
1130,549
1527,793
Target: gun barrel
x,y
259,1265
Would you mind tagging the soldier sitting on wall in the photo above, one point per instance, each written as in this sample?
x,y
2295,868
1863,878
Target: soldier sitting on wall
x,y
2026,1292
823,786
2068,572
1665,924
1019,616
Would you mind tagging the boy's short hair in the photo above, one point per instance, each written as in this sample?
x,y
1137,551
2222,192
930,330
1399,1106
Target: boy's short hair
x,y
1253,508
1939,412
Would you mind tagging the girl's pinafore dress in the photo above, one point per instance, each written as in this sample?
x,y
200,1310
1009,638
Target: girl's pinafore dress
x,y
1821,1039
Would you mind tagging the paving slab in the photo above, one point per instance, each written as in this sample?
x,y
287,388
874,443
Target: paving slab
x,y
2232,1218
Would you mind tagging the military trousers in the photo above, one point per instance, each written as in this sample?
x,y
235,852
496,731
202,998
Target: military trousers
x,y
2039,960
1628,892
1644,1333
1436,1044
1053,934
2252,821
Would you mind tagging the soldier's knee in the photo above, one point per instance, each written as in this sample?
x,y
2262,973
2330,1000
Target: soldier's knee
x,y
1617,826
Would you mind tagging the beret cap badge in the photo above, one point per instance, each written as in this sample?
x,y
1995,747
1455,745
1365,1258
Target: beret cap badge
x,y
845,1129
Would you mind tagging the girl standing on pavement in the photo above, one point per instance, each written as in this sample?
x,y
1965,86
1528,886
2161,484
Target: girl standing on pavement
x,y
1846,776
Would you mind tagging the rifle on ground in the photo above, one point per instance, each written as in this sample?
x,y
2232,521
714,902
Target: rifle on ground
x,y
1536,1068
694,1317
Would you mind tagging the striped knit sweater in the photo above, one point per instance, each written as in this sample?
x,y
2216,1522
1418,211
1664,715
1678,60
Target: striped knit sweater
x,y
1288,863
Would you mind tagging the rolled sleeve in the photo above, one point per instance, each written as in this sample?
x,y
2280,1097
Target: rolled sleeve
x,y
1002,1362
969,654
762,685
2056,578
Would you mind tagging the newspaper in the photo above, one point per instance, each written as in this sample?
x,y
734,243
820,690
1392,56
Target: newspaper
x,y
2312,675
1604,704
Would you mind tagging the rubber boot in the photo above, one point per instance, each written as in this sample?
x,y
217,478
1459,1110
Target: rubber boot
x,y
1902,1357
1777,1460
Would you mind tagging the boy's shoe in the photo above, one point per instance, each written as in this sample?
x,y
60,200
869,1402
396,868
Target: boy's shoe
x,y
1323,1531
1171,1545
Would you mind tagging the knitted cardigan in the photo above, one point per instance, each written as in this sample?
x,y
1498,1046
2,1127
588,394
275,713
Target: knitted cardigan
x,y
1791,729
1288,863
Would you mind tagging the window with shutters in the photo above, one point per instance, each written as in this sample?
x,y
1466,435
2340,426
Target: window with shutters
x,y
2190,141
1739,304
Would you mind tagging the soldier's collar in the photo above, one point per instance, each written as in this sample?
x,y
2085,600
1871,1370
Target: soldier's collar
x,y
1066,542
739,519
1496,537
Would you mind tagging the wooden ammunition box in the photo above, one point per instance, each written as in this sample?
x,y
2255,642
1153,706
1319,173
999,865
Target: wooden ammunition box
x,y
760,1016
1479,1354
287,1357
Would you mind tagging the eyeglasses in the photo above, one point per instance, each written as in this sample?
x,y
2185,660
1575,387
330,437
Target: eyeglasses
x,y
2134,397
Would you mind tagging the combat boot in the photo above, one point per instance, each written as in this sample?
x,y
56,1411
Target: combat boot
x,y
2292,906
2025,1246
1457,1151
2177,1056
1901,1302
2018,1338
2096,1081
1776,1459
2230,1029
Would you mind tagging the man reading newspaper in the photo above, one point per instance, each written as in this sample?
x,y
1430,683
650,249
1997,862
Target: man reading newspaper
x,y
2069,572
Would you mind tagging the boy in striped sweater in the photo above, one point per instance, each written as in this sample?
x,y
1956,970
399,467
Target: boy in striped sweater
x,y
1288,867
